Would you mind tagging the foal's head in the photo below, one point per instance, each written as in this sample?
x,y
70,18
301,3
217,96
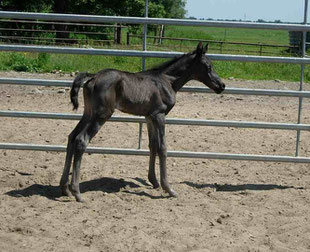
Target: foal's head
x,y
203,70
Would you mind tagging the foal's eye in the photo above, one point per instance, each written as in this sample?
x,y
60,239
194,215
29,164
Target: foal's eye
x,y
209,68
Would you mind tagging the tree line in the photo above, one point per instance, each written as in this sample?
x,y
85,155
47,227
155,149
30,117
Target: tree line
x,y
157,8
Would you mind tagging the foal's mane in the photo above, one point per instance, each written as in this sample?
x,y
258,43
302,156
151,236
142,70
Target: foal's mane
x,y
177,60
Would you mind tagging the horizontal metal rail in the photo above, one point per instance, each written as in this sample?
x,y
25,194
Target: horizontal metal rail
x,y
173,121
235,91
154,54
248,91
54,30
151,21
46,39
177,154
57,23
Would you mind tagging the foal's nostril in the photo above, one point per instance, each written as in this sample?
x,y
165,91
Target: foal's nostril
x,y
223,86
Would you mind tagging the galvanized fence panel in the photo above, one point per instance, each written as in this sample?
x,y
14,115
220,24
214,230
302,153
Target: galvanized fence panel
x,y
135,53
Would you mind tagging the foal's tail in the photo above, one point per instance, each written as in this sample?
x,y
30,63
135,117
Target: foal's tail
x,y
79,81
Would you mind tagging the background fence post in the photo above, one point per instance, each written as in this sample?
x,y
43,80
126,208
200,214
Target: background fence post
x,y
128,39
261,50
221,47
161,34
115,34
119,34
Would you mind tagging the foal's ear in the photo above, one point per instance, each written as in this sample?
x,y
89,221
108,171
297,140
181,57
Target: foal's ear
x,y
199,49
205,49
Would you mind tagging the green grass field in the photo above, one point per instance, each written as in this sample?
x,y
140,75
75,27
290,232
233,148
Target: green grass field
x,y
229,34
34,62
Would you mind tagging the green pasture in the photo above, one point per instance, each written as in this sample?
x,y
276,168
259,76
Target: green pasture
x,y
34,62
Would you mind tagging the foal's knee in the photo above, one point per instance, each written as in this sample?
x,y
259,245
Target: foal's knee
x,y
153,146
71,138
80,145
162,151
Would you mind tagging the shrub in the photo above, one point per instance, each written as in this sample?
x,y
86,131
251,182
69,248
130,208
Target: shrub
x,y
21,62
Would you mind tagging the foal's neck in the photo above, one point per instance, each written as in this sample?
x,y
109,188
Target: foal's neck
x,y
179,72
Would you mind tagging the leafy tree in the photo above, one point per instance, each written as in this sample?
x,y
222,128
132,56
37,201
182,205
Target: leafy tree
x,y
116,8
173,8
157,8
26,6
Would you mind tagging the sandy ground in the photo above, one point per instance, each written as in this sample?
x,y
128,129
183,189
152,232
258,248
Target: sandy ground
x,y
222,205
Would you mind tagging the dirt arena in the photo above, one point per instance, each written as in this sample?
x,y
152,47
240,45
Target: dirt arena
x,y
222,205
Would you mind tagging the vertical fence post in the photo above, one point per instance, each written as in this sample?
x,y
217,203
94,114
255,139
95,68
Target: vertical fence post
x,y
128,39
146,14
161,34
119,34
261,50
302,70
221,47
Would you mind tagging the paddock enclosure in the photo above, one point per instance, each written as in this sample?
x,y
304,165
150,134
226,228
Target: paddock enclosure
x,y
227,199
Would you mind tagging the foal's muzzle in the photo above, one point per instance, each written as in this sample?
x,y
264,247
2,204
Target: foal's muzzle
x,y
220,89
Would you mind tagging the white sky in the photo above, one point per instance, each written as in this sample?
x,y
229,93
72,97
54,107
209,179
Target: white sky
x,y
269,10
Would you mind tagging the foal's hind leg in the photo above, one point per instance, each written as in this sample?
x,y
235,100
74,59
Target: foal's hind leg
x,y
64,185
80,144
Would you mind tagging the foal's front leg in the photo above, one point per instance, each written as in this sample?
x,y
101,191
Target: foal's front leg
x,y
159,125
153,151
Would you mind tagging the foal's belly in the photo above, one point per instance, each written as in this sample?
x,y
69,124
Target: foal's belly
x,y
139,98
140,109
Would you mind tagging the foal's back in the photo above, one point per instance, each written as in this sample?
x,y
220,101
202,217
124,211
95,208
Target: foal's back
x,y
140,93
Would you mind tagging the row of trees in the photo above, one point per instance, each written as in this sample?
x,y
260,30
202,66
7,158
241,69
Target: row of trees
x,y
63,33
157,8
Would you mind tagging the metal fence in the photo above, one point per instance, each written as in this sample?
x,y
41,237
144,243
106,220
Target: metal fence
x,y
298,127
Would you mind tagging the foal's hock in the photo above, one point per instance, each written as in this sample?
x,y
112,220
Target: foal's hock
x,y
150,93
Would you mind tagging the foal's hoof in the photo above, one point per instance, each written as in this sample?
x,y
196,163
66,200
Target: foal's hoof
x,y
154,182
65,191
79,199
76,193
171,193
155,185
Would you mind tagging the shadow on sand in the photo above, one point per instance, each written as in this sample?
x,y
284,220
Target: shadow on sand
x,y
242,187
105,184
112,185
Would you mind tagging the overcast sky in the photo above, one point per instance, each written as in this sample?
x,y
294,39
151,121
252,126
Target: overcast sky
x,y
269,10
